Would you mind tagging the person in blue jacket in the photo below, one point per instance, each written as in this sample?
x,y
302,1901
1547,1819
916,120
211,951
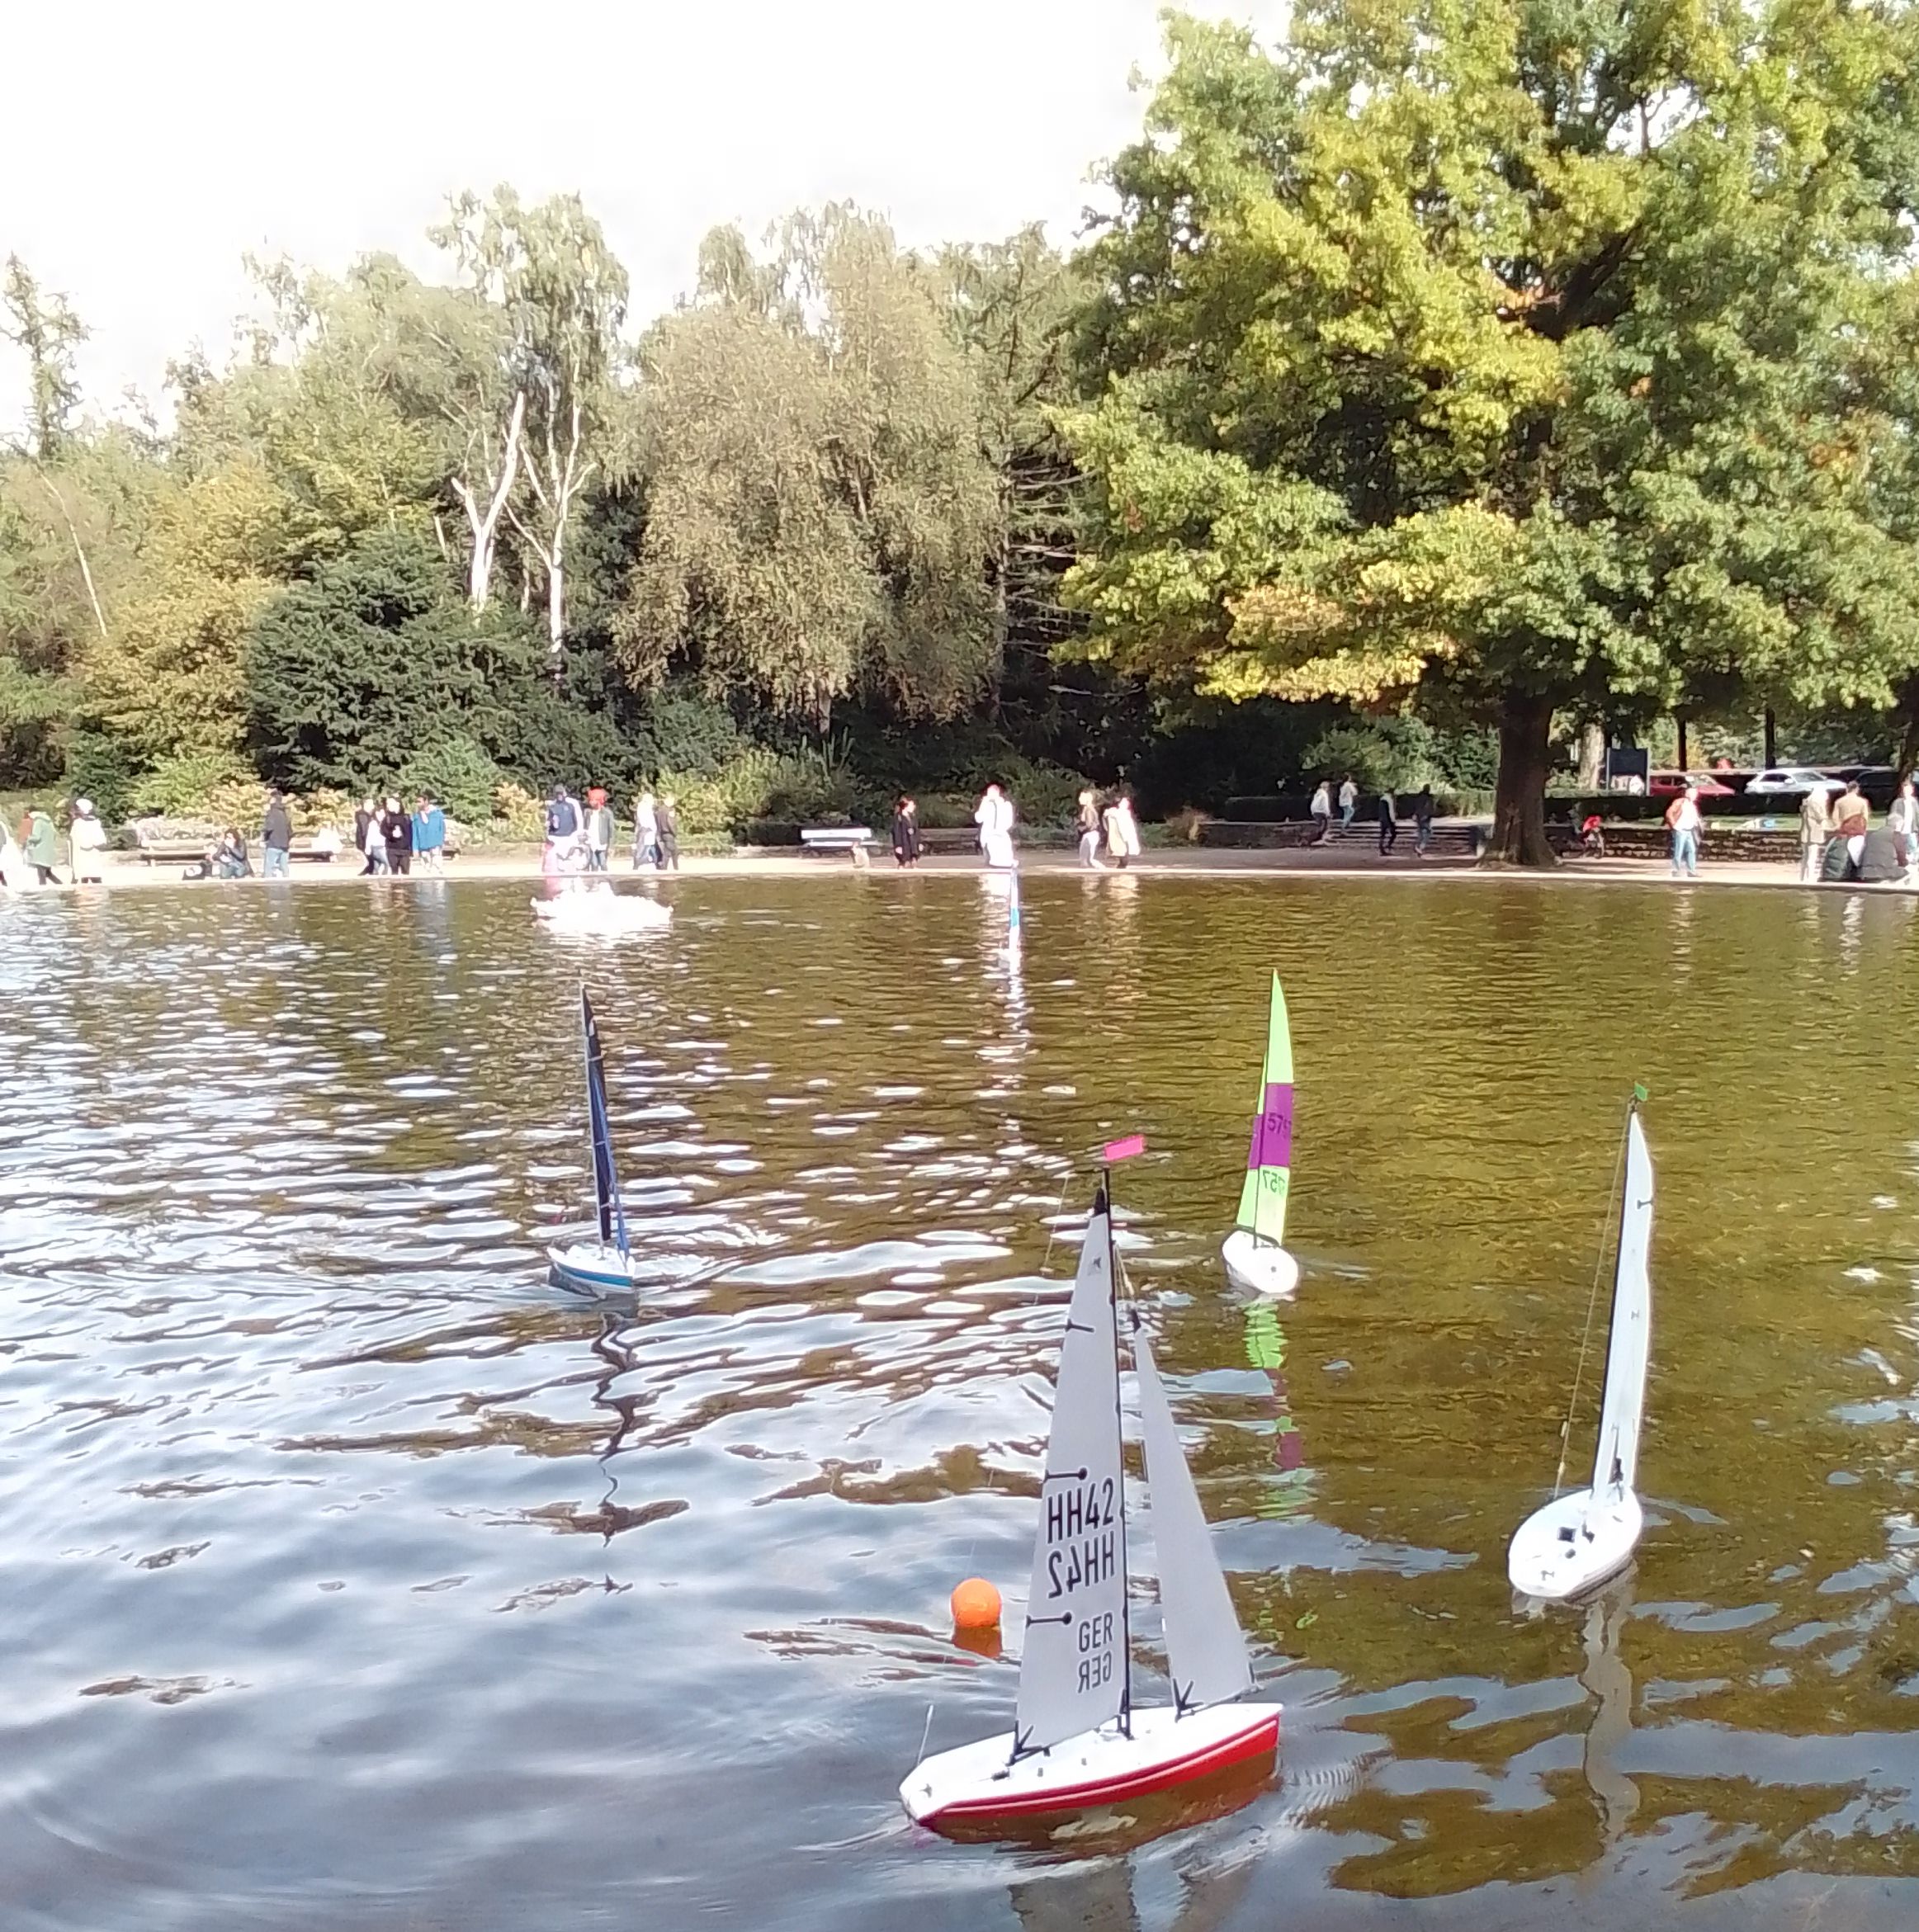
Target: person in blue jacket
x,y
429,833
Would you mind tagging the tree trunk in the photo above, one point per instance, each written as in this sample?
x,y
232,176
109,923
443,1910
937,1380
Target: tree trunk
x,y
1592,757
1519,811
1771,737
555,603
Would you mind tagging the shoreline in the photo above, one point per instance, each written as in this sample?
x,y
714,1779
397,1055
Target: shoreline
x,y
124,873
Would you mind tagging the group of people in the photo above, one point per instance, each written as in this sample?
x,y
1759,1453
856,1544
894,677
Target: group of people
x,y
385,834
1838,841
580,835
29,852
1111,827
1386,812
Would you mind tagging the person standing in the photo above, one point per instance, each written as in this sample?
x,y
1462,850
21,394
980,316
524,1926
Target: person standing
x,y
562,828
430,834
905,834
39,843
396,833
369,839
86,840
1851,820
1348,801
1902,822
276,838
1684,820
1815,828
667,835
994,816
1422,819
1122,831
645,829
599,829
1321,809
1091,821
1388,821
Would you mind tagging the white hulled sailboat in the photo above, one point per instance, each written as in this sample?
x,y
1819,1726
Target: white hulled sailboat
x,y
1578,1540
606,1263
1078,1740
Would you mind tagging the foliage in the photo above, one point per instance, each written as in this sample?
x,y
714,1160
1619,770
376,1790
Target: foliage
x,y
1383,754
457,772
1513,359
820,512
213,787
758,784
98,768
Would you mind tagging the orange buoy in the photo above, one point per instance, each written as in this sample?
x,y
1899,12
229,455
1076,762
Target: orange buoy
x,y
975,1605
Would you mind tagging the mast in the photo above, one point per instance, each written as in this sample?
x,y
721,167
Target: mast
x,y
1119,1426
1262,1212
1628,1331
612,1219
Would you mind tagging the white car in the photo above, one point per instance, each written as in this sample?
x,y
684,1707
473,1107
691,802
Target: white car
x,y
1787,778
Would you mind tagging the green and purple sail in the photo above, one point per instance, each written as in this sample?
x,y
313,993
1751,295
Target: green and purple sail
x,y
1269,1160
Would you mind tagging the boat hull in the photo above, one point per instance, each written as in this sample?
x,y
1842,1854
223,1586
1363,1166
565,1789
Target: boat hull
x,y
1575,1544
597,1267
1261,1266
601,912
980,1784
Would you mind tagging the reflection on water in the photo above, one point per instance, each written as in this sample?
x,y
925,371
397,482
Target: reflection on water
x,y
356,1577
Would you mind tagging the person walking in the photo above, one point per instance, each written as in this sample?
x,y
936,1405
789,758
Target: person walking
x,y
430,834
905,834
1122,830
1091,821
667,836
86,840
599,829
276,838
1815,828
1321,810
39,843
645,829
396,833
1422,819
1388,821
1851,820
1348,801
994,816
1684,820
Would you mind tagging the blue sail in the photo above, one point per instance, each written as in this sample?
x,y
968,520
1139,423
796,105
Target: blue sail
x,y
606,1181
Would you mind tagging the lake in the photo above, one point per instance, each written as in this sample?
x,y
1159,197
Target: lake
x,y
355,1576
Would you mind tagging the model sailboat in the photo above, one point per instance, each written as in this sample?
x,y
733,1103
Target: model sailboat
x,y
1578,1540
1078,1740
1253,1257
607,1262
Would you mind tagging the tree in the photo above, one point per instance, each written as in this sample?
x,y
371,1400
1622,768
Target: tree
x,y
1509,361
820,512
48,330
561,296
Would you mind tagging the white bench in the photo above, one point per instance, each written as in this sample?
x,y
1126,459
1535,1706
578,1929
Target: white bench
x,y
848,838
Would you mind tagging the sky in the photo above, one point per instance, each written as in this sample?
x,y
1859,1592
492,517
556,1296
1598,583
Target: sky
x,y
145,150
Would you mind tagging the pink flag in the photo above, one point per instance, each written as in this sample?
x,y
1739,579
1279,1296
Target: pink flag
x,y
1124,1150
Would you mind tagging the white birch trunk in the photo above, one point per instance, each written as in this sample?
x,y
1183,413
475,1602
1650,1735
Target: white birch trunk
x,y
484,524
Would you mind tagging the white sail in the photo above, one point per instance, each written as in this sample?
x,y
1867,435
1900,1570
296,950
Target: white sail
x,y
1616,1461
1205,1650
1073,1674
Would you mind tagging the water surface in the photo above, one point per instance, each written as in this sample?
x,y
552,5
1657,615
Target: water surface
x,y
355,1577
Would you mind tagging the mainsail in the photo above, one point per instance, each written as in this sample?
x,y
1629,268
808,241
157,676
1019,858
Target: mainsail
x,y
1269,1162
606,1181
1073,1676
1616,1461
1206,1649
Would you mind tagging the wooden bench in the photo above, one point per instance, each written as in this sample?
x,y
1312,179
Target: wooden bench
x,y
852,839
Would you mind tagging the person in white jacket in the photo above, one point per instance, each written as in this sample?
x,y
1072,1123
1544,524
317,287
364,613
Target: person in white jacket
x,y
994,816
86,840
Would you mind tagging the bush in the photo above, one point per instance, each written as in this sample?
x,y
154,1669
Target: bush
x,y
101,768
212,786
458,773
517,814
685,733
809,788
1393,754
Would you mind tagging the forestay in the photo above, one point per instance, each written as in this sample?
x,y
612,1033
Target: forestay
x,y
1616,1459
606,1180
1073,1676
1269,1160
1206,1649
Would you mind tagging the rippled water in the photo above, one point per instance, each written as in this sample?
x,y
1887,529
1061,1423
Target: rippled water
x,y
354,1577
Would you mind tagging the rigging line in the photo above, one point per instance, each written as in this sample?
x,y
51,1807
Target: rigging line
x,y
1052,1225
1591,1303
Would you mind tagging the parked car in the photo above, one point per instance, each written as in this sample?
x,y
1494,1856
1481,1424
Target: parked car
x,y
1788,779
1671,784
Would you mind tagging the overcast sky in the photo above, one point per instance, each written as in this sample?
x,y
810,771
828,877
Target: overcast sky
x,y
144,148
